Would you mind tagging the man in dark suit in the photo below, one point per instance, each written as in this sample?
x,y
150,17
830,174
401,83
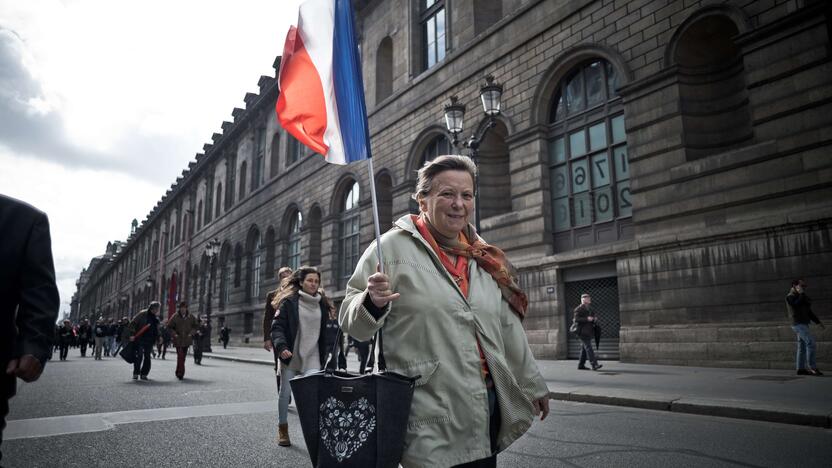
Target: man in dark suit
x,y
28,297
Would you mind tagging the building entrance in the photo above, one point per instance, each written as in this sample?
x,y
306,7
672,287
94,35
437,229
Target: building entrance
x,y
604,292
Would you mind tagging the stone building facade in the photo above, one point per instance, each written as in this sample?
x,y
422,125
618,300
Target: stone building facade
x,y
672,158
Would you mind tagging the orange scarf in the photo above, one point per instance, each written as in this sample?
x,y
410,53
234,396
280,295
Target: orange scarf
x,y
488,257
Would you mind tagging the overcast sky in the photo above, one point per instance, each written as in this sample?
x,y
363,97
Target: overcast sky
x,y
104,102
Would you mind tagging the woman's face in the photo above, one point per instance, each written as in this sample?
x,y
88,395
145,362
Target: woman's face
x,y
450,202
310,283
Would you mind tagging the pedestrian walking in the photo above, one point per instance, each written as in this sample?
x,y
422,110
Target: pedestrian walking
x,y
200,335
585,318
144,342
65,337
121,335
28,298
299,336
182,325
334,338
100,333
110,344
460,331
365,358
84,334
225,336
284,275
164,341
799,307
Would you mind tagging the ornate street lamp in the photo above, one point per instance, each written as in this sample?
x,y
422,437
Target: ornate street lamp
x,y
212,249
490,94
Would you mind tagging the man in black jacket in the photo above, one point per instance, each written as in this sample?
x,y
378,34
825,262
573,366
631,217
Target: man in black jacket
x,y
28,297
585,319
799,307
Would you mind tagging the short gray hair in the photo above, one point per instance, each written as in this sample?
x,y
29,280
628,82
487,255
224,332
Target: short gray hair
x,y
448,162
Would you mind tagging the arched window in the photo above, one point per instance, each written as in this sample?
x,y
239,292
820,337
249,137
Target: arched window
x,y
274,164
438,146
259,156
217,205
238,265
295,226
313,227
199,216
713,95
225,274
384,196
195,283
243,171
384,69
269,253
588,166
349,227
256,263
294,152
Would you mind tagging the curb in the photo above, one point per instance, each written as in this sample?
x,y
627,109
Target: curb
x,y
236,359
676,405
701,408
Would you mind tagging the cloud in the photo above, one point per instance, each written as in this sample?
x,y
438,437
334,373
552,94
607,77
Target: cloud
x,y
33,125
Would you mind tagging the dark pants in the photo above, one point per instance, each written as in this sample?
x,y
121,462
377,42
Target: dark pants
x,y
197,351
83,346
142,363
7,388
493,430
587,351
64,351
181,354
224,344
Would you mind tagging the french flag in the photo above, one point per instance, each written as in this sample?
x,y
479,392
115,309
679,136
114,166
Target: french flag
x,y
321,100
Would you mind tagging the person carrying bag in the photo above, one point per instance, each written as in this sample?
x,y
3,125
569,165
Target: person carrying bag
x,y
354,420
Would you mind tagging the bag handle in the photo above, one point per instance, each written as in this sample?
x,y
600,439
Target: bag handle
x,y
377,338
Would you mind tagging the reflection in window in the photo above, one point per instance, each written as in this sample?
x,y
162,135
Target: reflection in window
x,y
588,165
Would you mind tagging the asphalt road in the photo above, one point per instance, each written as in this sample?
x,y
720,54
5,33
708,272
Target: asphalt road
x,y
88,413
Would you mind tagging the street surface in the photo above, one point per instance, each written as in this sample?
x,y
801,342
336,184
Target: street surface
x,y
86,413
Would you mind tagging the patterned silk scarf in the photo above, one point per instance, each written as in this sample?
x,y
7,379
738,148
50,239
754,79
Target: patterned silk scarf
x,y
488,257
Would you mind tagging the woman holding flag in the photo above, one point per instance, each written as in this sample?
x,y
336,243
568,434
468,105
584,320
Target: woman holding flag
x,y
451,311
449,303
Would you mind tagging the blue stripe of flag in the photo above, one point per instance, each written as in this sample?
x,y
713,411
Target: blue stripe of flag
x,y
349,86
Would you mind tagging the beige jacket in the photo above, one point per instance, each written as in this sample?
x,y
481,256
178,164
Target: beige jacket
x,y
431,331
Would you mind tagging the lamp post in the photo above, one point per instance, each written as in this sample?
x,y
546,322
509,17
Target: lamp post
x,y
490,94
211,250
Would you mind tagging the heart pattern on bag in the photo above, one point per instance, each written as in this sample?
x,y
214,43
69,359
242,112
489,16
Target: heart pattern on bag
x,y
345,429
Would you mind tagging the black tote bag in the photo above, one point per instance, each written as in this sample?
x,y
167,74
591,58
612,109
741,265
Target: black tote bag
x,y
128,352
351,420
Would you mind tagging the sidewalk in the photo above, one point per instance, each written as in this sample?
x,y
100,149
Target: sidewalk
x,y
759,394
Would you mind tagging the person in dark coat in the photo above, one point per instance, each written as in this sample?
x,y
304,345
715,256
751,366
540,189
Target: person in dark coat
x,y
200,335
299,335
225,336
147,340
29,298
65,336
585,319
84,334
799,307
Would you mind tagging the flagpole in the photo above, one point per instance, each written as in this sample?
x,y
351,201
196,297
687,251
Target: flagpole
x,y
375,214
